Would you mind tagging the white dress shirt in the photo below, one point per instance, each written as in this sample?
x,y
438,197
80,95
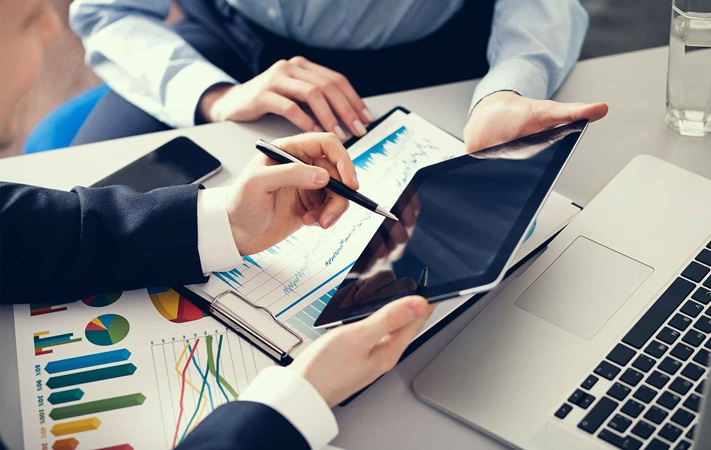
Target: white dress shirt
x,y
280,388
532,47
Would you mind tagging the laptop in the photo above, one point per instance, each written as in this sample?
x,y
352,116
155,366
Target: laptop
x,y
604,340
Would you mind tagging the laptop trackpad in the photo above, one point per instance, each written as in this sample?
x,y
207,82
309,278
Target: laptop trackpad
x,y
584,287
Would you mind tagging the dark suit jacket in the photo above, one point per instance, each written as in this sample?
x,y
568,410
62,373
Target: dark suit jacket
x,y
57,245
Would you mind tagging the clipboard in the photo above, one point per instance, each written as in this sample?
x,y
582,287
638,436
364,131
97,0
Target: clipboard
x,y
262,326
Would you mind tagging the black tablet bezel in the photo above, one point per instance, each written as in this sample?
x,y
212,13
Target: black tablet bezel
x,y
332,315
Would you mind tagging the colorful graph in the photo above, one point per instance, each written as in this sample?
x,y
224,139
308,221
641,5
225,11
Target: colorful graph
x,y
303,321
195,376
42,340
101,300
173,306
97,406
107,329
37,309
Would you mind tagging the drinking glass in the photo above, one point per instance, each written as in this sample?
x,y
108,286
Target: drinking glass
x,y
689,75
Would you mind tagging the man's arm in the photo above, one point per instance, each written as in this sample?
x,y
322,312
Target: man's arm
x,y
130,47
533,46
64,245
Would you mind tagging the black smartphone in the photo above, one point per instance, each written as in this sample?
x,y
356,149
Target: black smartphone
x,y
177,162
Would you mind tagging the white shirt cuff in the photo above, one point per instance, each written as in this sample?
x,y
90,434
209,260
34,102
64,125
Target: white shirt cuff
x,y
216,246
292,396
516,75
185,89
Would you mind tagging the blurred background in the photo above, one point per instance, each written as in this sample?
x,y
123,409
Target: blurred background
x,y
616,26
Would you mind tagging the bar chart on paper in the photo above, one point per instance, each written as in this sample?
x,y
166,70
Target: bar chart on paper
x,y
296,278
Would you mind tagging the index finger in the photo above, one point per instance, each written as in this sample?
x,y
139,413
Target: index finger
x,y
309,146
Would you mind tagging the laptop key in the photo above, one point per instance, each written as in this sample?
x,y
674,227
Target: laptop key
x,y
597,415
695,272
589,382
691,308
655,316
694,338
643,429
607,370
682,417
563,411
668,400
657,379
693,402
682,351
645,394
656,415
632,408
683,445
670,432
702,357
656,349
692,371
680,322
643,363
619,423
705,257
702,295
680,386
631,377
621,354
700,388
656,444
628,443
691,432
618,391
669,365
703,324
707,283
668,335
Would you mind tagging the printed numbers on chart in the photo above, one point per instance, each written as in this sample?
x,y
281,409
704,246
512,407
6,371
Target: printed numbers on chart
x,y
40,400
41,416
45,446
38,383
43,432
38,370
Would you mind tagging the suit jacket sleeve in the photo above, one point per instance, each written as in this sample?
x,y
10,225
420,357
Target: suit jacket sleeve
x,y
244,425
57,245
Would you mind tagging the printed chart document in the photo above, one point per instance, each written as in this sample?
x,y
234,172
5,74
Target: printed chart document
x,y
140,369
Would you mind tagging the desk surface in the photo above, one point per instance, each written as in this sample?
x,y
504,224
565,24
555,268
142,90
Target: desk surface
x,y
388,415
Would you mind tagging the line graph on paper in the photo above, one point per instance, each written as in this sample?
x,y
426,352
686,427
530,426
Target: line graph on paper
x,y
194,375
296,278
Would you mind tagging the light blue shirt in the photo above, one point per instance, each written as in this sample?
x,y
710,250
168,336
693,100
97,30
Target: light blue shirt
x,y
532,47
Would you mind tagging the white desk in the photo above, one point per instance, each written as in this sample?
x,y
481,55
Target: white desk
x,y
387,415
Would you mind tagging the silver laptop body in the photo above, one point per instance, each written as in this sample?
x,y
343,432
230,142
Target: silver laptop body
x,y
553,361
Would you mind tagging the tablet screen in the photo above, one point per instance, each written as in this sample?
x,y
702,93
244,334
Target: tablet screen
x,y
460,223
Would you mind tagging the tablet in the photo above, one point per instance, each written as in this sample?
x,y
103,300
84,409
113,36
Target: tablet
x,y
461,223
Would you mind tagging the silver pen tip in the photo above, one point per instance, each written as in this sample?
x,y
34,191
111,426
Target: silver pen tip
x,y
382,211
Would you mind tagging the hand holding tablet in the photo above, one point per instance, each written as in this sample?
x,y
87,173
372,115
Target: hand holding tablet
x,y
469,214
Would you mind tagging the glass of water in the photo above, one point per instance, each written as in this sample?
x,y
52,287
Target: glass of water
x,y
689,76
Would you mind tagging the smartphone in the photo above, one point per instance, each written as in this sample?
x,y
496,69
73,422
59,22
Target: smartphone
x,y
177,162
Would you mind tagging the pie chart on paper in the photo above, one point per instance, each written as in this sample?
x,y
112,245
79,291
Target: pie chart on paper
x,y
107,329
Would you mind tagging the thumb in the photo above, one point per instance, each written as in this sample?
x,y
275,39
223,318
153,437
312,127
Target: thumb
x,y
556,113
300,176
391,318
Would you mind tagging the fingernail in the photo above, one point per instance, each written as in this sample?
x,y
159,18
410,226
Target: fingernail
x,y
311,220
339,132
320,177
360,129
368,116
418,307
318,129
329,221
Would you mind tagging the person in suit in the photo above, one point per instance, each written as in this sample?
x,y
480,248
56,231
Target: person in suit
x,y
58,245
311,61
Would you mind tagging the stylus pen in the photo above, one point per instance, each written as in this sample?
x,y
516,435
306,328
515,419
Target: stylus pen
x,y
336,186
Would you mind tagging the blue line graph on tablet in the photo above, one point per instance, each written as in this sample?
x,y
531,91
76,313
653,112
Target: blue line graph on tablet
x,y
297,276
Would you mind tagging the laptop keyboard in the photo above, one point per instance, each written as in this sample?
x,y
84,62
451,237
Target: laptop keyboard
x,y
645,394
